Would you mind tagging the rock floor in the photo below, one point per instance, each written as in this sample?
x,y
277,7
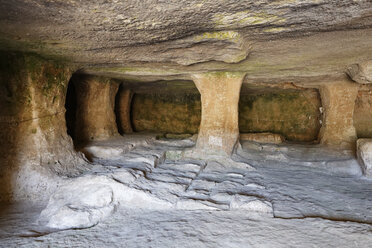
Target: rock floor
x,y
196,228
297,196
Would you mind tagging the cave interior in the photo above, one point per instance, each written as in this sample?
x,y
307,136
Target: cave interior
x,y
219,122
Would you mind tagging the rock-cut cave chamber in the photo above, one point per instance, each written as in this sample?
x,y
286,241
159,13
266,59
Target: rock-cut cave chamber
x,y
242,123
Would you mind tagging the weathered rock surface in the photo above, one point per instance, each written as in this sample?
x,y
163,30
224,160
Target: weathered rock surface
x,y
167,112
113,147
338,101
363,112
197,228
295,182
175,107
177,136
364,154
219,130
95,116
34,145
281,39
79,204
272,138
85,201
361,73
102,152
334,160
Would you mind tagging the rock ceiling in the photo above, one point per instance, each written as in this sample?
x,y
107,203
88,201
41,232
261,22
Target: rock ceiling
x,y
288,40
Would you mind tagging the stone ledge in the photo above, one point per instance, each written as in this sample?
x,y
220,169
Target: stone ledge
x,y
361,73
268,138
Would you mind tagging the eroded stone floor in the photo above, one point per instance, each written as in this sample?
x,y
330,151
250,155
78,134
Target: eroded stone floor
x,y
139,194
193,228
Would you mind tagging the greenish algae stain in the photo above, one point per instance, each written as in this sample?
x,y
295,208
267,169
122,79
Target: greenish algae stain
x,y
246,18
292,114
219,35
19,72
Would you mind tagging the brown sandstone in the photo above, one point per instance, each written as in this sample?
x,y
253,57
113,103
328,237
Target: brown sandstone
x,y
219,130
95,116
338,100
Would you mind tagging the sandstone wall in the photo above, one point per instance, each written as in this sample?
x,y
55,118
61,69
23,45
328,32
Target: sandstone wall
x,y
363,113
166,113
219,125
32,124
294,114
95,102
338,101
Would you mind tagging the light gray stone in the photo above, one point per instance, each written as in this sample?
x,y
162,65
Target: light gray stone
x,y
79,204
251,204
361,72
364,154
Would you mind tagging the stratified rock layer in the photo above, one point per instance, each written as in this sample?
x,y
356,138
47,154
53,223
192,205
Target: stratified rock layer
x,y
301,41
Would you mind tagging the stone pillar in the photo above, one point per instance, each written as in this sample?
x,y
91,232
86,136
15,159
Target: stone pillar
x,y
219,130
338,101
123,110
34,145
95,116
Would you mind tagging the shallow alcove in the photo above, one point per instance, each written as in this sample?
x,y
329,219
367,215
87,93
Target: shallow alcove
x,y
164,107
90,108
123,105
292,112
175,107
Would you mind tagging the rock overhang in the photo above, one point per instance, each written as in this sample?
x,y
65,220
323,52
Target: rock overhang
x,y
269,40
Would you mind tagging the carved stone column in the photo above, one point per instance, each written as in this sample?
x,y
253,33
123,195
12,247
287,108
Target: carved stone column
x,y
219,129
338,100
123,110
95,116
